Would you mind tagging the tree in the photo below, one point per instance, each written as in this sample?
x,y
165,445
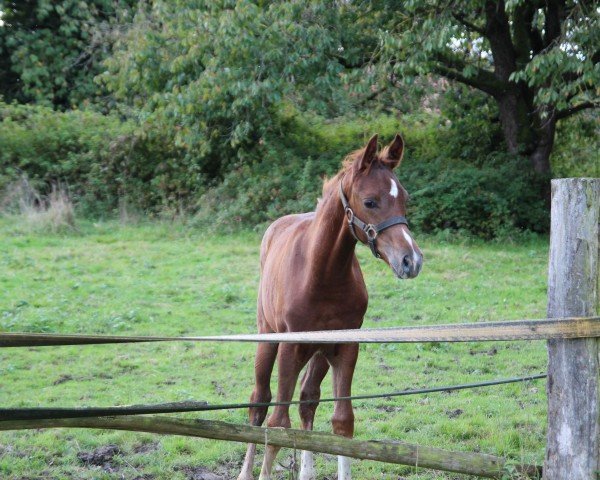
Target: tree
x,y
538,59
50,50
217,72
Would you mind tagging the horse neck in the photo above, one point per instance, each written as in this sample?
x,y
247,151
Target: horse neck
x,y
331,250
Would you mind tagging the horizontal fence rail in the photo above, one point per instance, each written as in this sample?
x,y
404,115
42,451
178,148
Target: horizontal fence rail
x,y
11,414
479,464
558,328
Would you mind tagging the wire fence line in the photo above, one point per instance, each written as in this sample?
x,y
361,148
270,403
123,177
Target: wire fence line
x,y
576,327
10,414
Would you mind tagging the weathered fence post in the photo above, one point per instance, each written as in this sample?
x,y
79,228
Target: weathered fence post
x,y
573,444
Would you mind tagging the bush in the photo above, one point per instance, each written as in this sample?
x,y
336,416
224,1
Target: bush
x,y
111,166
485,197
101,158
489,201
285,174
576,151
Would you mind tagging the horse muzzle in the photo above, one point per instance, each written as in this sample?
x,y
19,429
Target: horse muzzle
x,y
407,265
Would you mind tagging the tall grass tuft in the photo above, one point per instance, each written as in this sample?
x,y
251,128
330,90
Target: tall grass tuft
x,y
33,212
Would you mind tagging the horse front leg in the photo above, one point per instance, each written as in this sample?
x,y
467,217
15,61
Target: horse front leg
x,y
291,359
263,367
311,390
343,362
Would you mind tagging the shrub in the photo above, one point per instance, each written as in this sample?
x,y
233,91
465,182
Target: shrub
x,y
488,201
115,166
103,159
486,197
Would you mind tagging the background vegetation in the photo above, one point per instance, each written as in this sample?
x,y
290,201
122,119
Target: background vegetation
x,y
230,112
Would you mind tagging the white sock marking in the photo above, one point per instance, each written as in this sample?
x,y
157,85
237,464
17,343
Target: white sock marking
x,y
394,189
307,466
344,468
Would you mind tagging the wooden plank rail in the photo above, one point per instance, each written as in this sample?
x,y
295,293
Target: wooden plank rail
x,y
402,453
556,328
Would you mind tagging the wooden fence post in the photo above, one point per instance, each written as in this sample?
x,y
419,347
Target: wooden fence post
x,y
573,442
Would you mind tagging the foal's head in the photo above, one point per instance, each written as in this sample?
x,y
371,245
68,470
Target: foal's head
x,y
374,197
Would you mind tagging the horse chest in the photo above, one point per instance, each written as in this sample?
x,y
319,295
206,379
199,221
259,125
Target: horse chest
x,y
325,310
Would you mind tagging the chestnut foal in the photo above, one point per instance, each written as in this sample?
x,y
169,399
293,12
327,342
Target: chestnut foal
x,y
311,280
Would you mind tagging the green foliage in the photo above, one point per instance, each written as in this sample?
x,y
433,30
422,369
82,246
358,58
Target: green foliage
x,y
287,176
577,149
215,72
567,74
51,50
102,159
455,183
551,50
494,200
234,111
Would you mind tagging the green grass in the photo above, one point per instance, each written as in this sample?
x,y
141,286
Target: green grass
x,y
168,280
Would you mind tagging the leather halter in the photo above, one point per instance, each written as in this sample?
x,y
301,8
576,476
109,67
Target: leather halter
x,y
370,230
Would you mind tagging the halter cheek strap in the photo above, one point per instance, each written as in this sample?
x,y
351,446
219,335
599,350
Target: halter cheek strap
x,y
370,230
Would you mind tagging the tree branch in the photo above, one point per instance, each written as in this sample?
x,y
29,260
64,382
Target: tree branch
x,y
567,112
497,30
460,17
484,80
344,62
373,95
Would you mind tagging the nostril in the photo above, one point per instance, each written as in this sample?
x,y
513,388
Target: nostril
x,y
406,264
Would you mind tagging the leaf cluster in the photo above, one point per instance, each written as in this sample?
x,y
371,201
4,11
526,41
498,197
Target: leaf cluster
x,y
50,51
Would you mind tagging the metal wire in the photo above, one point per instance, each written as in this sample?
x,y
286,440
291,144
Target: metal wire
x,y
10,414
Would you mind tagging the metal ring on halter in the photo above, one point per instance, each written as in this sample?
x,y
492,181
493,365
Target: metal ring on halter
x,y
371,232
350,215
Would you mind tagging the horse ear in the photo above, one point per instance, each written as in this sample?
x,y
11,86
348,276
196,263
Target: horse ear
x,y
368,156
392,154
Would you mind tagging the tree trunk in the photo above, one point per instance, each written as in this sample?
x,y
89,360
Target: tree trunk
x,y
525,131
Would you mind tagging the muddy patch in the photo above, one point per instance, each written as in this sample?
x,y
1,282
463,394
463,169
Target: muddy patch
x,y
454,413
198,473
10,451
101,457
146,447
389,408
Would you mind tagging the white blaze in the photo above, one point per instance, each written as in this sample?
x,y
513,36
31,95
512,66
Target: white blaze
x,y
409,240
394,189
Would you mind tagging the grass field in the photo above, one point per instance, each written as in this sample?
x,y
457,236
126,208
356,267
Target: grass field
x,y
170,280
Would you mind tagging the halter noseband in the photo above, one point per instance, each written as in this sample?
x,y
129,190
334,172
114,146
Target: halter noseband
x,y
370,230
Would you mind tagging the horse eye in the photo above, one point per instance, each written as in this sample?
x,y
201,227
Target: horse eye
x,y
370,204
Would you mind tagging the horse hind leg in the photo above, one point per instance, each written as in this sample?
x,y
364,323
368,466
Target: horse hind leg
x,y
263,367
311,390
